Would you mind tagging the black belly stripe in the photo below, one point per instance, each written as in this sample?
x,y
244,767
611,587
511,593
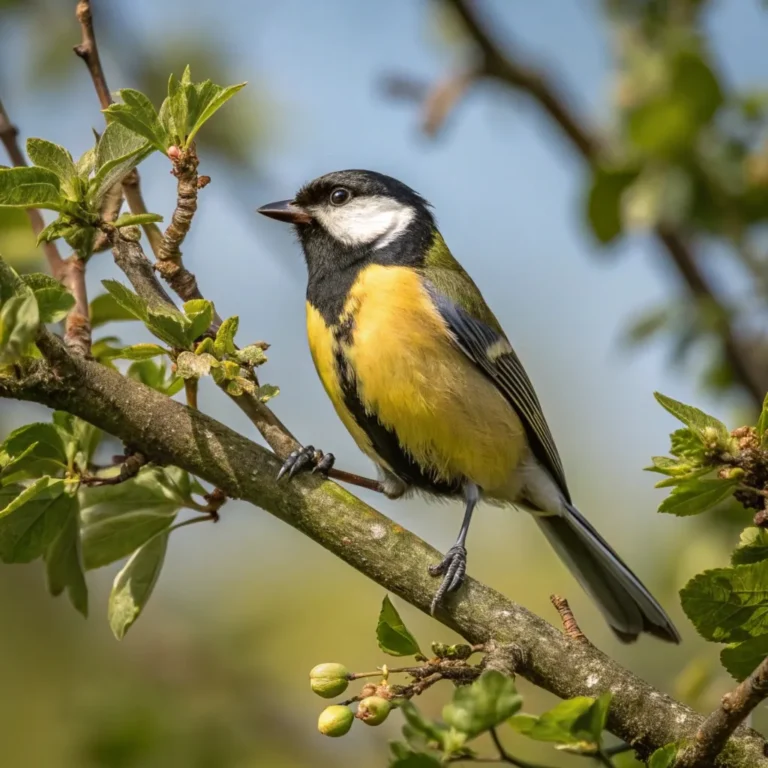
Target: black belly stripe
x,y
384,440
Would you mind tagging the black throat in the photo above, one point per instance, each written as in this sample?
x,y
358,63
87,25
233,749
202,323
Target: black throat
x,y
334,267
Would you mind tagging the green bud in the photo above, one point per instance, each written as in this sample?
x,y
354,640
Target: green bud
x,y
373,710
329,680
335,721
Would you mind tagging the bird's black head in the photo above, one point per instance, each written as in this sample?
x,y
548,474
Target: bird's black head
x,y
347,219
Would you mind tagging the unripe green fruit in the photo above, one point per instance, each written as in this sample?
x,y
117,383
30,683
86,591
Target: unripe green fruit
x,y
329,680
373,710
335,721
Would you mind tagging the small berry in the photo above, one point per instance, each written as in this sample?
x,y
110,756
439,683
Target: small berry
x,y
335,721
329,680
373,710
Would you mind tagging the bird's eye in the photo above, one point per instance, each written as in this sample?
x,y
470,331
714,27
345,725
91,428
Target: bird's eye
x,y
340,195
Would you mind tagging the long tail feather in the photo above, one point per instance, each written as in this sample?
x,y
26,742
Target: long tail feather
x,y
626,604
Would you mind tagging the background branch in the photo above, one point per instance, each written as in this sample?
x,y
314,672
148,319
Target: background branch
x,y
509,69
169,432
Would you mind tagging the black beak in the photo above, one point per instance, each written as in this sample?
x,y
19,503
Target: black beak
x,y
285,210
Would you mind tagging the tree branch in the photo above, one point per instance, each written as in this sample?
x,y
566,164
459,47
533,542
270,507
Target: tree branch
x,y
734,709
168,432
505,67
88,51
69,272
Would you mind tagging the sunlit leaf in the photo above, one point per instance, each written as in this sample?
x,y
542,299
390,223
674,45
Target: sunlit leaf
x,y
486,703
64,560
30,188
134,584
392,634
52,157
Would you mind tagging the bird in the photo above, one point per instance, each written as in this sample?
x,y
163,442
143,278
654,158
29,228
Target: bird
x,y
424,378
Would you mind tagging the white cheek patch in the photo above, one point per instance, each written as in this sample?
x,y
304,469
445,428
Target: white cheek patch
x,y
365,220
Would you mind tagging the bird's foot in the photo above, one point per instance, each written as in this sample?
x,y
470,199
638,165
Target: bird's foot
x,y
307,458
452,568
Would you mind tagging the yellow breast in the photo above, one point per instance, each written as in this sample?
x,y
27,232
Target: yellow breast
x,y
447,415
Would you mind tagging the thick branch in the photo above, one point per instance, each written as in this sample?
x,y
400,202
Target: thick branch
x,y
505,67
169,432
70,272
734,709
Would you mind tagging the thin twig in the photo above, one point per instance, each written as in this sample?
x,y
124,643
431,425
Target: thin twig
x,y
88,51
169,263
505,757
69,272
734,709
130,467
570,625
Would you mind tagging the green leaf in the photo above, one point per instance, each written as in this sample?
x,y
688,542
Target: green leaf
x,y
225,337
86,163
728,605
664,757
178,107
155,375
47,457
19,321
696,496
200,312
64,560
31,187
416,760
267,391
706,427
253,355
105,309
695,83
490,700
138,114
61,227
742,659
686,444
81,438
136,219
134,584
427,730
211,101
192,366
118,152
31,518
604,201
130,302
118,519
577,723
138,352
54,301
169,325
56,159
392,635
753,547
762,425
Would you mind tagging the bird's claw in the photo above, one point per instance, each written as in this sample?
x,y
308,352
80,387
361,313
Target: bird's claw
x,y
304,458
453,568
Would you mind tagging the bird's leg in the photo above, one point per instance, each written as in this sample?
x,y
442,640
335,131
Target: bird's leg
x,y
313,459
453,566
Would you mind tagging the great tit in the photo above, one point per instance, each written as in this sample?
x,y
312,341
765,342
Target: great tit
x,y
424,378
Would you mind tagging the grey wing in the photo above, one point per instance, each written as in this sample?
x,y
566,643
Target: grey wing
x,y
490,351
